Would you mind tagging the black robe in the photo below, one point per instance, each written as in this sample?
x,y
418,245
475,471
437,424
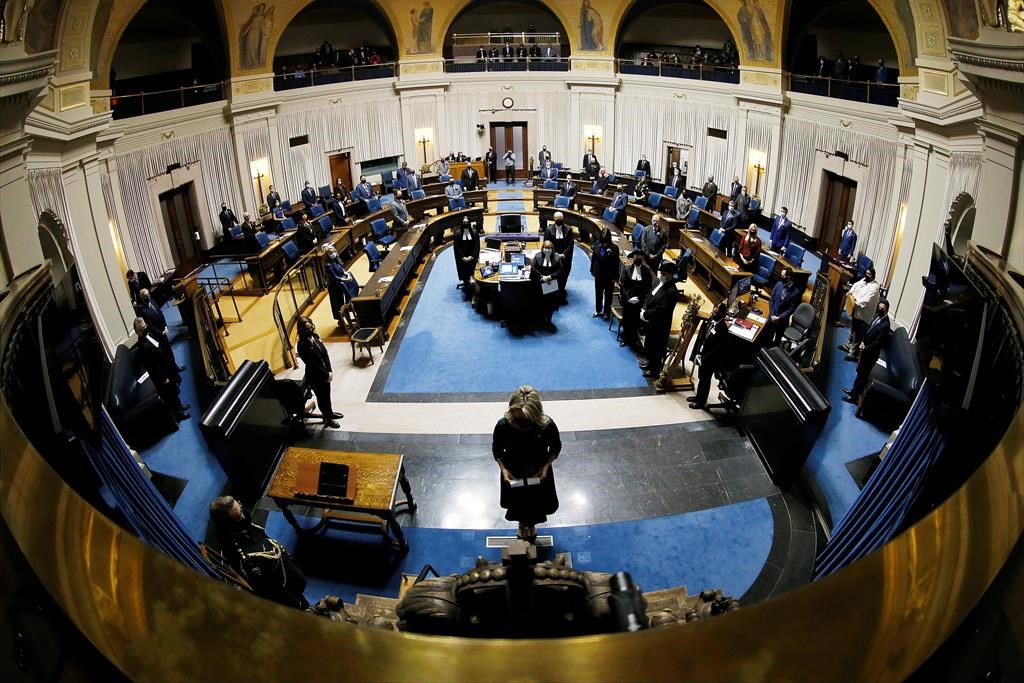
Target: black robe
x,y
466,247
524,452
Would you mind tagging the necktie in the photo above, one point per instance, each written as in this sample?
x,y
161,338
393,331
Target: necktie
x,y
636,273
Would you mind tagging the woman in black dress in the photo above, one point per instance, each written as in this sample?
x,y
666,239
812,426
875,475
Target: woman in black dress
x,y
525,443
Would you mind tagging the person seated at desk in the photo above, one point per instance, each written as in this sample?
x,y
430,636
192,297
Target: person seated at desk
x,y
864,295
729,222
309,195
470,178
453,190
305,238
549,172
273,198
263,562
653,241
545,267
569,188
481,55
657,312
634,283
749,249
780,231
847,242
521,53
683,206
338,213
710,191
467,253
338,281
400,212
340,191
709,353
227,220
534,52
604,266
364,191
507,53
876,338
644,165
786,296
601,182
562,239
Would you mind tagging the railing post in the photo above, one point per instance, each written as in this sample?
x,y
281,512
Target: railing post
x,y
869,92
181,95
142,102
828,84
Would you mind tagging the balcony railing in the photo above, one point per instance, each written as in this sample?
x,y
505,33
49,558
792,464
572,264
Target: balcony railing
x,y
885,94
475,65
340,74
137,104
697,72
514,37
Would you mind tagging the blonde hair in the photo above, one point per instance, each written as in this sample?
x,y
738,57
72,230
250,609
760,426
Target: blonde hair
x,y
527,399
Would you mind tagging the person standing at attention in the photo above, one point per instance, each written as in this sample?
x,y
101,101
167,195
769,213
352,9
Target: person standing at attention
x,y
525,443
318,369
604,266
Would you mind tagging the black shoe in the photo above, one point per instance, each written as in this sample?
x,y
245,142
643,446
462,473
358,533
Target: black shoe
x,y
622,343
850,357
596,315
332,424
697,406
182,416
185,406
337,415
850,398
181,368
650,374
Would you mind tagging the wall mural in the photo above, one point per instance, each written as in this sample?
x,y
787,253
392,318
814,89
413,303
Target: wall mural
x,y
757,34
254,37
422,29
591,28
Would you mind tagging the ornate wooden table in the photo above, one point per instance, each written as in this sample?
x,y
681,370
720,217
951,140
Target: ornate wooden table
x,y
378,476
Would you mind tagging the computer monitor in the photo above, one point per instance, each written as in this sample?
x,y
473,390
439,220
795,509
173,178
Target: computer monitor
x,y
510,222
739,288
508,269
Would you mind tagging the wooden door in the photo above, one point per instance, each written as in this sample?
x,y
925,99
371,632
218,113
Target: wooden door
x,y
513,136
341,167
178,212
837,209
673,155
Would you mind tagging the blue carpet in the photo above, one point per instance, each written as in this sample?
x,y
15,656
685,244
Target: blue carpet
x,y
845,436
510,195
184,453
508,206
450,348
224,268
724,547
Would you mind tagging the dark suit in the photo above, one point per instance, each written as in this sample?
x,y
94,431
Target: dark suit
x,y
876,338
364,191
652,244
318,372
600,184
677,182
569,189
466,245
507,53
735,189
564,247
549,173
591,165
544,156
227,221
337,210
710,191
604,266
847,244
712,342
780,233
273,199
547,303
730,221
470,178
658,309
134,291
491,163
150,350
310,196
304,237
156,323
628,289
340,193
782,304
645,166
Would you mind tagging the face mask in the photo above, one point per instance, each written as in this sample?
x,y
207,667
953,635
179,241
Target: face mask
x,y
334,257
547,252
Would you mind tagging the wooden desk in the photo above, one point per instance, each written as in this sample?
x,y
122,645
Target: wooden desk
x,y
753,302
476,198
800,276
587,226
340,239
419,207
642,214
361,228
717,268
543,197
266,266
434,188
378,476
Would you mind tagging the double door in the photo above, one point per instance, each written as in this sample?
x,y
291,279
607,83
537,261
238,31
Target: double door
x,y
511,136
180,221
840,194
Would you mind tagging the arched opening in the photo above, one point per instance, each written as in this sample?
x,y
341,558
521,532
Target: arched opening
x,y
841,48
686,39
506,35
331,41
170,55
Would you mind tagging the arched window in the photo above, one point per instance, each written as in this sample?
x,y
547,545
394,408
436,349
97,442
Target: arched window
x,y
841,48
677,39
331,41
506,35
170,55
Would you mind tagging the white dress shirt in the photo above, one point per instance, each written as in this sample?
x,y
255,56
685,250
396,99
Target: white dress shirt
x,y
865,297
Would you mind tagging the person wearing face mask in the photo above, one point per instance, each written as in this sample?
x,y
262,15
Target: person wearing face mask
x,y
749,250
273,198
561,237
644,165
709,353
657,312
634,284
549,172
653,241
604,266
340,282
525,442
364,191
340,191
864,295
847,242
730,221
544,156
780,231
318,369
309,195
710,191
876,338
467,253
734,189
781,306
305,237
227,220
453,190
491,164
546,267
262,561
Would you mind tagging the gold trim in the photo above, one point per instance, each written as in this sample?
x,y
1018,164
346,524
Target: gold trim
x,y
75,95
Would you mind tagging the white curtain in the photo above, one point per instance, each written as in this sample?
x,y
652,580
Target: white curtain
x,y
761,137
127,248
796,164
884,239
964,176
256,144
46,190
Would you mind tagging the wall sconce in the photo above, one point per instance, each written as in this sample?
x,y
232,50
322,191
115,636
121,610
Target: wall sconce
x,y
758,162
592,133
423,137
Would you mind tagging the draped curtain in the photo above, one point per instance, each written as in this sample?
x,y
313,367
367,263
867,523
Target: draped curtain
x,y
885,237
761,137
795,167
256,143
46,190
964,176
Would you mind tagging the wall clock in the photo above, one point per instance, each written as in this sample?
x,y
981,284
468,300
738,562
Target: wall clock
x,y
508,103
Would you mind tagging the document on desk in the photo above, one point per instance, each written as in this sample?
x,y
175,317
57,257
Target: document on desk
x,y
744,333
756,318
549,287
407,247
386,279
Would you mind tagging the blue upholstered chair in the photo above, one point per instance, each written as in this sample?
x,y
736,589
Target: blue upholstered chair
x,y
557,165
444,178
640,174
610,215
550,184
691,222
419,194
287,224
457,203
763,271
372,204
701,202
671,191
863,263
382,233
716,237
315,210
326,224
236,232
561,202
653,200
278,213
291,252
387,181
638,230
325,191
755,205
372,255
263,239
286,205
794,254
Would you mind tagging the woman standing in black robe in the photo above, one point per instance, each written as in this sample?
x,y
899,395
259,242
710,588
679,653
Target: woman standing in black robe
x,y
467,252
525,443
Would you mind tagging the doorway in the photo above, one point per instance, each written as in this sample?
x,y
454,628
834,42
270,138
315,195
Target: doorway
x,y
677,155
178,209
840,194
511,136
341,167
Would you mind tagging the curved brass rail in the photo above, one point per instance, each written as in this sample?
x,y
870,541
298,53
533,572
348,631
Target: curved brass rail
x,y
875,620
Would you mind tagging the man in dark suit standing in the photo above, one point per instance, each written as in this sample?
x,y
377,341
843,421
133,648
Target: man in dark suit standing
x,y
309,195
249,229
364,191
709,353
657,312
601,182
338,213
569,188
653,241
604,266
134,287
875,339
150,312
561,237
544,156
590,164
734,189
491,164
634,283
644,165
781,306
470,178
273,198
227,220
780,231
164,377
710,191
730,221
848,242
545,268
677,181
318,369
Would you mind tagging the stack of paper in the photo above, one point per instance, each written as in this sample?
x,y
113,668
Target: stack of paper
x,y
744,333
386,279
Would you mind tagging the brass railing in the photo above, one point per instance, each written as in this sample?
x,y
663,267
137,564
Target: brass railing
x,y
155,619
293,295
138,104
336,74
716,73
885,94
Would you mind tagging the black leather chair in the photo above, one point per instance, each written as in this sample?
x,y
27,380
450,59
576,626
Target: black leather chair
x,y
892,389
135,406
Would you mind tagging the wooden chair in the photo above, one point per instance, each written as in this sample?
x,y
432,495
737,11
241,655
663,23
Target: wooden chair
x,y
364,337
